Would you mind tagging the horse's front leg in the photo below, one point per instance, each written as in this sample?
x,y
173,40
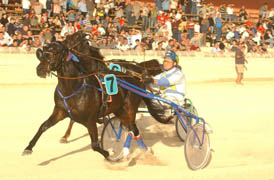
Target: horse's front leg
x,y
93,133
55,117
64,139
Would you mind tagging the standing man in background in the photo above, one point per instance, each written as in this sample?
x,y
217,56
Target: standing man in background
x,y
240,63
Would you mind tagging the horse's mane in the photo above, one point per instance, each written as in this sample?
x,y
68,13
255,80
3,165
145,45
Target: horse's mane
x,y
95,52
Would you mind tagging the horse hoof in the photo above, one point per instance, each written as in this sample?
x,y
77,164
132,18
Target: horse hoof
x,y
63,140
27,152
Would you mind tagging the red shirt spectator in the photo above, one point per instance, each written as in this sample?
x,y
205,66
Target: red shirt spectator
x,y
248,23
94,31
162,18
122,21
261,29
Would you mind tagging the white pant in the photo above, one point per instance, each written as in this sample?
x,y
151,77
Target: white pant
x,y
176,98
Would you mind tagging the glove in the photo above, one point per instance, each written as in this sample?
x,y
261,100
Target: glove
x,y
148,80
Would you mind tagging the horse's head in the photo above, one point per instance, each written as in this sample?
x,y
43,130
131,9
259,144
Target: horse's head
x,y
151,67
74,40
51,58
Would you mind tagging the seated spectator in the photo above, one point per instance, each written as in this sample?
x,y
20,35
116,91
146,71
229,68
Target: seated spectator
x,y
195,47
230,34
138,46
19,38
86,23
71,16
197,38
119,12
160,47
14,43
170,44
11,27
148,43
111,42
268,38
57,22
123,44
261,29
102,44
4,20
5,39
25,31
34,22
271,15
222,45
101,30
26,20
37,42
216,48
68,28
262,49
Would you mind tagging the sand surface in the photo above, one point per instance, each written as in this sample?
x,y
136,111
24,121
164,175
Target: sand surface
x,y
241,116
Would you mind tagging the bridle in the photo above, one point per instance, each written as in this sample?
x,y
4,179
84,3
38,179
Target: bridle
x,y
61,57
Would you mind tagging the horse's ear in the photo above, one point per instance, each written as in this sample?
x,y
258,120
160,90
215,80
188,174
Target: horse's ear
x,y
39,54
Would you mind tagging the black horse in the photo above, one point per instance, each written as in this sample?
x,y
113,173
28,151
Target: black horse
x,y
79,98
87,54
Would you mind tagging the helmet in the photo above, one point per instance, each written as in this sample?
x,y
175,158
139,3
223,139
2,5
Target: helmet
x,y
172,55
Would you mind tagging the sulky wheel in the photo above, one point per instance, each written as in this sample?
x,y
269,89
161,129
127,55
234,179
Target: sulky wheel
x,y
197,156
180,130
113,138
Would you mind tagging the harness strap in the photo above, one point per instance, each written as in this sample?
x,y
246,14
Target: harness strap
x,y
69,96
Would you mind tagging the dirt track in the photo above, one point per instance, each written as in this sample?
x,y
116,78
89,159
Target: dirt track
x,y
241,117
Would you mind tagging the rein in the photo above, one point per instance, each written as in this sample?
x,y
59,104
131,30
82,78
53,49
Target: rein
x,y
85,76
108,62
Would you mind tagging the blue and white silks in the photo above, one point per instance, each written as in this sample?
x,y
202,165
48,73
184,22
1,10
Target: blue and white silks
x,y
171,83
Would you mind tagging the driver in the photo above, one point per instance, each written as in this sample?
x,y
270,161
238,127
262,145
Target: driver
x,y
170,84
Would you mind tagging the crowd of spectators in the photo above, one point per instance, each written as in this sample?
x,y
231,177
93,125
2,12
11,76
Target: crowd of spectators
x,y
180,25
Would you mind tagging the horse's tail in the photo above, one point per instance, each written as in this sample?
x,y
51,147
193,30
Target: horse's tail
x,y
157,111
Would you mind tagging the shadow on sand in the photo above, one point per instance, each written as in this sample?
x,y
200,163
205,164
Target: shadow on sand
x,y
151,131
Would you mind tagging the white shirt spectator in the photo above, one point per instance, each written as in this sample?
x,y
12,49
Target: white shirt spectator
x,y
196,28
107,7
215,50
245,35
25,4
173,4
101,30
242,29
5,40
257,38
123,47
178,16
134,37
43,2
229,35
271,14
66,29
229,10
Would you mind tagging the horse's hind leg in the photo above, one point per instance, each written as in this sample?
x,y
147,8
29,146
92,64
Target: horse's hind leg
x,y
64,139
93,132
56,116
